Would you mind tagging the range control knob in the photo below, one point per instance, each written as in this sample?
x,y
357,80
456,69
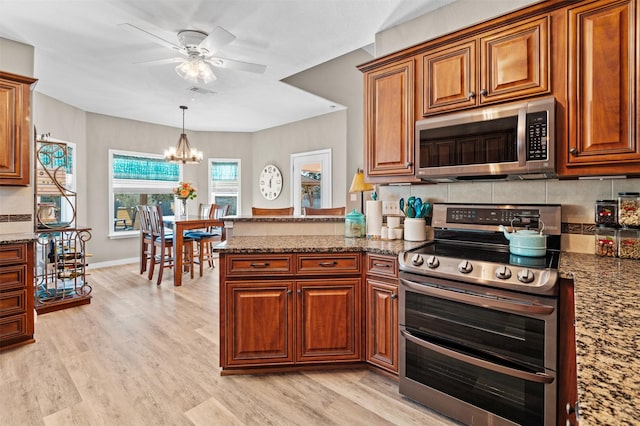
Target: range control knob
x,y
433,262
503,272
417,260
465,267
525,276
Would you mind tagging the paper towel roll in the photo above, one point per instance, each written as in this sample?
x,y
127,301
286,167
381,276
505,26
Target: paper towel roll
x,y
374,217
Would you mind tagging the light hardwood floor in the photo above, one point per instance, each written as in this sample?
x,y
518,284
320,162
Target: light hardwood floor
x,y
142,354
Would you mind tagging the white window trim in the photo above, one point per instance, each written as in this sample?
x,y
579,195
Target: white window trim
x,y
130,184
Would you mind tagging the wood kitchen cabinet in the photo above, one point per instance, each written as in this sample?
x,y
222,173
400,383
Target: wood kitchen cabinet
x,y
15,129
506,64
604,88
389,122
382,312
16,295
287,310
567,365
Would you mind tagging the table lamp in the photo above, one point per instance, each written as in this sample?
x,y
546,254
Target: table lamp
x,y
359,185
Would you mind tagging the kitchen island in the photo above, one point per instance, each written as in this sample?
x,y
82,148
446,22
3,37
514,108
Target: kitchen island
x,y
607,325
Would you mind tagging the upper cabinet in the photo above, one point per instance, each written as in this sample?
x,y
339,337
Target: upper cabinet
x,y
604,87
15,140
505,64
389,122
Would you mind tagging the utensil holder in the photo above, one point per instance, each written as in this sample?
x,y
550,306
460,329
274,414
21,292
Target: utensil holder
x,y
415,229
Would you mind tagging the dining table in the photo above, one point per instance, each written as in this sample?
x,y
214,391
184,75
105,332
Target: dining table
x,y
181,224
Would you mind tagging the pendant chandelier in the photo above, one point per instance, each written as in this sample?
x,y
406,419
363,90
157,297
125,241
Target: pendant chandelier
x,y
183,153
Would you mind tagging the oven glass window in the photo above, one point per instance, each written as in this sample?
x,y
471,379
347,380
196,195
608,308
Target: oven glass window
x,y
512,398
504,338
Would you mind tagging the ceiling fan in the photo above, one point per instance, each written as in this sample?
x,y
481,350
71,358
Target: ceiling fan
x,y
198,53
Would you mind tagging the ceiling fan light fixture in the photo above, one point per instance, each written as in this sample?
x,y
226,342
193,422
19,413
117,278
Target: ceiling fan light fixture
x,y
183,153
196,69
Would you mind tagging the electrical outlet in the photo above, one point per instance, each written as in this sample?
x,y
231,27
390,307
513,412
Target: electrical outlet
x,y
390,208
354,197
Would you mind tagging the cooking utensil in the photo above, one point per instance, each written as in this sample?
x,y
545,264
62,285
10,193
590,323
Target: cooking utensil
x,y
526,242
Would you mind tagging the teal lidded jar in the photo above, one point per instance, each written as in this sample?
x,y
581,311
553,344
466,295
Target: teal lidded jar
x,y
354,225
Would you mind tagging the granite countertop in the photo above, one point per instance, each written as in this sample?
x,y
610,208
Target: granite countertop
x,y
17,238
313,243
607,291
283,219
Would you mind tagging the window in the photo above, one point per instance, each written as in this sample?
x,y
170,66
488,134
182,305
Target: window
x,y
224,183
138,178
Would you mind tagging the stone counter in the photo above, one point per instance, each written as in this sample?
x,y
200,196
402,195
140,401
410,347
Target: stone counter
x,y
18,238
607,291
607,294
240,226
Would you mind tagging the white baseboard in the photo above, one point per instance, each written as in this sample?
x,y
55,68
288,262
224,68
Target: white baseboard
x,y
117,262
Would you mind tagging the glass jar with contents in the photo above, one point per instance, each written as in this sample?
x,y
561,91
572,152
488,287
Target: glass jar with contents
x,y
606,212
606,242
629,243
629,208
354,225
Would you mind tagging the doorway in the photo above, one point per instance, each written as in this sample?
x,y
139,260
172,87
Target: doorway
x,y
311,179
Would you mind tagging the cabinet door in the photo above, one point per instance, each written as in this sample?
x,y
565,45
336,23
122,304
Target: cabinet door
x,y
603,124
515,62
449,79
389,119
259,319
15,116
328,320
382,324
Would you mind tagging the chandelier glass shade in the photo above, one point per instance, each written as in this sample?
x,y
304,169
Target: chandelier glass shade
x,y
183,153
196,70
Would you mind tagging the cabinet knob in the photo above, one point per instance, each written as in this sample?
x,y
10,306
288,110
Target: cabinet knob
x,y
299,292
484,92
408,164
289,292
573,151
394,296
570,409
471,95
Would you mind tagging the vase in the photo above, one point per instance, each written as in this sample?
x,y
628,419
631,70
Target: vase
x,y
184,207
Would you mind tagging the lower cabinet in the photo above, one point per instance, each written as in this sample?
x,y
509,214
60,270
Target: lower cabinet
x,y
291,317
382,312
567,366
16,295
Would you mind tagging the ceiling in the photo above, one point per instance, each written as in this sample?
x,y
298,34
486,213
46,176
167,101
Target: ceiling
x,y
83,57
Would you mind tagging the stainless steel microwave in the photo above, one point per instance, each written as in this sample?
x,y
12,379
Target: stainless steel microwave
x,y
508,141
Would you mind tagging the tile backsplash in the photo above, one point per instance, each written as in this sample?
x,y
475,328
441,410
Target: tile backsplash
x,y
577,198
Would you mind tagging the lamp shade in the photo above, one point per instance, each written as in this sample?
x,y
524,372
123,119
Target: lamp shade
x,y
358,184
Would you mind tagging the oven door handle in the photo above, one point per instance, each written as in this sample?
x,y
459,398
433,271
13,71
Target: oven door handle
x,y
483,302
531,377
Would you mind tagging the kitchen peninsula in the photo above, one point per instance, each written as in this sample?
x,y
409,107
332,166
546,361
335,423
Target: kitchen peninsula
x,y
259,276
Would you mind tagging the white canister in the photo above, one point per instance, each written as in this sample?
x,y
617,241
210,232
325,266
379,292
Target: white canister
x,y
397,233
393,221
384,233
415,229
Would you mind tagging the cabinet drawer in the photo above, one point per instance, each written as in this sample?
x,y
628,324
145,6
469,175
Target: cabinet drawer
x,y
383,266
12,277
11,254
253,265
13,302
13,327
328,264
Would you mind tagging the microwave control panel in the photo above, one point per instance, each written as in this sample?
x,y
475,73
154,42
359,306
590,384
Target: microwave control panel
x,y
537,136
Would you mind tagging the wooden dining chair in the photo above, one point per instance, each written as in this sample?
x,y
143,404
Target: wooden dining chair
x,y
204,239
162,246
146,239
326,211
284,211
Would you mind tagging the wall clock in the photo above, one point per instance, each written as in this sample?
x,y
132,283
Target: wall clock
x,y
270,182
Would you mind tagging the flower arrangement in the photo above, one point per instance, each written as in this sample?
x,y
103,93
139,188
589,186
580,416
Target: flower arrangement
x,y
185,191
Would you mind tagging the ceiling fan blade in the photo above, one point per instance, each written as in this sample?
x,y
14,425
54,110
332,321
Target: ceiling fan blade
x,y
237,65
217,39
161,61
152,37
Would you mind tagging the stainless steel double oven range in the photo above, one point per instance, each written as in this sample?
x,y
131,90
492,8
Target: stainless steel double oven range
x,y
478,325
